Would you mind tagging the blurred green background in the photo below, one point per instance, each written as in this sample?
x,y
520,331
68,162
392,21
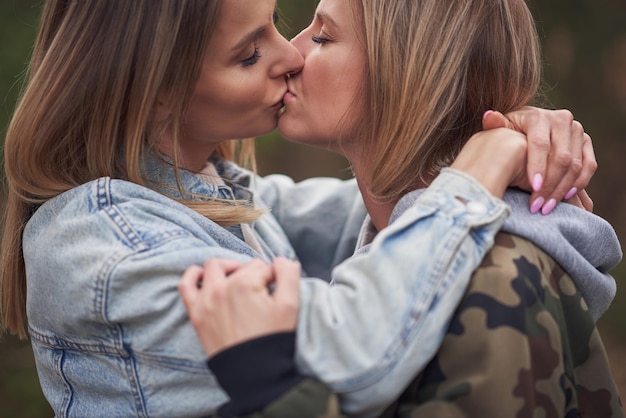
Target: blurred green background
x,y
585,71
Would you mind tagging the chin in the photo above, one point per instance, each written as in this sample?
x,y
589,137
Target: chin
x,y
295,132
289,130
289,134
302,138
260,129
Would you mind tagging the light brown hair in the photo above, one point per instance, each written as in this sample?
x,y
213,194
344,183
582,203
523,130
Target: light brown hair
x,y
434,67
87,111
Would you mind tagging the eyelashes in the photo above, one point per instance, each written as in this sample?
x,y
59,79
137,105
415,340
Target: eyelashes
x,y
253,58
319,40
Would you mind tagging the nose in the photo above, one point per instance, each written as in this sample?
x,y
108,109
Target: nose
x,y
299,42
291,61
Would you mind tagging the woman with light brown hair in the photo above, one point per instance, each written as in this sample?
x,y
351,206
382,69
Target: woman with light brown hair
x,y
400,87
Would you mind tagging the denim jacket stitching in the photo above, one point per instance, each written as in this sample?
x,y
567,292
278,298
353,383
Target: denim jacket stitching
x,y
66,401
135,386
125,227
59,343
102,192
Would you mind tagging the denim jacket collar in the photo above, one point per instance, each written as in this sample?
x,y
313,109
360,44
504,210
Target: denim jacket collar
x,y
159,171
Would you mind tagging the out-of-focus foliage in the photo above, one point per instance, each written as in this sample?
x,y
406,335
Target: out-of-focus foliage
x,y
17,31
585,54
584,45
20,395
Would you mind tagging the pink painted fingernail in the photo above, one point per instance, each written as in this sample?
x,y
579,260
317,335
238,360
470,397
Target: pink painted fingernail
x,y
537,182
487,113
571,193
537,204
548,207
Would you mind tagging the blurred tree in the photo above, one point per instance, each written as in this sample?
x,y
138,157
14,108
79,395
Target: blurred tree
x,y
20,394
585,56
17,31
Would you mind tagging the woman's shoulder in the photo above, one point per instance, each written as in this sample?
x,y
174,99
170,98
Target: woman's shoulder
x,y
117,211
509,248
105,193
517,276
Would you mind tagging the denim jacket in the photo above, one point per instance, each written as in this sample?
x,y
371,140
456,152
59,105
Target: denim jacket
x,y
111,336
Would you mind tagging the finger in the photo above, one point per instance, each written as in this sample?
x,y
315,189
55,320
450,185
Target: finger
x,y
227,266
564,169
188,285
287,274
494,120
581,200
255,276
214,277
217,269
589,164
575,201
539,149
561,145
586,200
537,127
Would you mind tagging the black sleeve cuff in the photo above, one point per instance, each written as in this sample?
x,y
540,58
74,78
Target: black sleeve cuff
x,y
256,372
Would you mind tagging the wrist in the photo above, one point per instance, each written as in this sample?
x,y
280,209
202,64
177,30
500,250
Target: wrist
x,y
494,178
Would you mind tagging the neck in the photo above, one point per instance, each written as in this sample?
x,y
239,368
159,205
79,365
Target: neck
x,y
191,156
379,212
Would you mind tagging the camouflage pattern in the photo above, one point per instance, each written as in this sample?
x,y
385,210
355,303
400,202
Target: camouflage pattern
x,y
309,399
521,344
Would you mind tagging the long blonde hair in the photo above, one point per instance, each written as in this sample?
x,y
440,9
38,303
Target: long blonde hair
x,y
87,111
434,67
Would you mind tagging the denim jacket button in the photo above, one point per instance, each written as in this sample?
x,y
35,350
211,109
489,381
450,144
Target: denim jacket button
x,y
476,208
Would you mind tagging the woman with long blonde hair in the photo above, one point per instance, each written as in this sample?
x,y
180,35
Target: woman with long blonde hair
x,y
401,88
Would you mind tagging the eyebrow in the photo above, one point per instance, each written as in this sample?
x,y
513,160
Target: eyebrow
x,y
249,38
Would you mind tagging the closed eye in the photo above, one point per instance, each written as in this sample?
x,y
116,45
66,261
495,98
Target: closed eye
x,y
253,58
319,40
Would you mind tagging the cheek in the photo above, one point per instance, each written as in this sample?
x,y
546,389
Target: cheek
x,y
229,107
336,90
235,94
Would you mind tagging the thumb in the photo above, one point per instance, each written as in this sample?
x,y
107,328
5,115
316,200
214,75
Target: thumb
x,y
494,120
287,275
188,286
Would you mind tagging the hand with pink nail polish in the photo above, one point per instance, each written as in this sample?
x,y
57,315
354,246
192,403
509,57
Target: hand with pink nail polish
x,y
560,160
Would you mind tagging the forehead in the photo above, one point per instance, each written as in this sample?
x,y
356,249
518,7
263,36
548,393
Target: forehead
x,y
338,14
238,17
336,8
